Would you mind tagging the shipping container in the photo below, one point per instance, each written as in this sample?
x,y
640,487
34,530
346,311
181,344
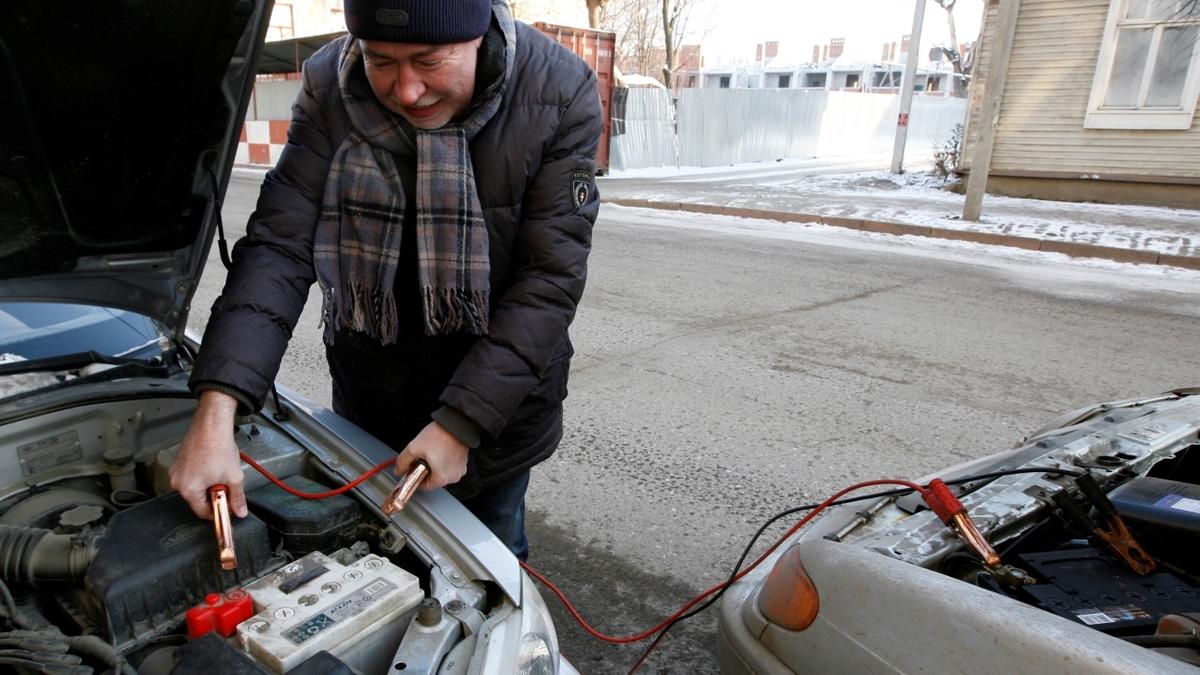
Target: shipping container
x,y
596,47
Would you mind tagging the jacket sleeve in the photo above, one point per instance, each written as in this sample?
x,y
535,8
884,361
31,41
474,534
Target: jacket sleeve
x,y
272,270
529,319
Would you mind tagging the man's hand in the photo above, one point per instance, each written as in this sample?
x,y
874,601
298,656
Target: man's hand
x,y
441,450
208,456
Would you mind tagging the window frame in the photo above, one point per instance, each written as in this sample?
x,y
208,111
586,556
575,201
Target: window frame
x,y
1099,117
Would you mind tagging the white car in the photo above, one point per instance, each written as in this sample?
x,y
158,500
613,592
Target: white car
x,y
884,586
120,124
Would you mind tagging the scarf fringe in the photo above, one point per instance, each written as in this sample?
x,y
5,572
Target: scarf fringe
x,y
449,310
364,305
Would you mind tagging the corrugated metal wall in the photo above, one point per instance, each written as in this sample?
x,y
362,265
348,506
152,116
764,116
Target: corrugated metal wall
x,y
648,136
719,127
732,126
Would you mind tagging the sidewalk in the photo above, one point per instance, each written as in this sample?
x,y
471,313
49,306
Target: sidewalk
x,y
916,204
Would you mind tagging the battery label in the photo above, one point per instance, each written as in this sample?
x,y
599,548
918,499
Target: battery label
x,y
1094,616
306,630
358,601
1179,502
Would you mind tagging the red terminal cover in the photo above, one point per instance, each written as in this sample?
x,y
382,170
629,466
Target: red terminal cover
x,y
219,613
941,499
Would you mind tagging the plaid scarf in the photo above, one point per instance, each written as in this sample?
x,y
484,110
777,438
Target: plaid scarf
x,y
356,245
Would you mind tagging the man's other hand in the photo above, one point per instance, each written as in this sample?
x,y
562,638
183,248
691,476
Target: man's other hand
x,y
441,450
208,456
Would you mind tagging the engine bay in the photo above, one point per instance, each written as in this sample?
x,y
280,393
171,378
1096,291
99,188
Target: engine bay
x,y
95,546
1094,520
1074,574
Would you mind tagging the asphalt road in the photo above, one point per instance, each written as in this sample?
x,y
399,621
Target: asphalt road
x,y
724,374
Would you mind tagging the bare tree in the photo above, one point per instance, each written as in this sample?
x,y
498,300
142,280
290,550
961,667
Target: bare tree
x,y
670,20
948,5
637,27
952,54
650,34
595,8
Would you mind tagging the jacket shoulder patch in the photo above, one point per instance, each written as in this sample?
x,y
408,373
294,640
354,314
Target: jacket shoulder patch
x,y
581,186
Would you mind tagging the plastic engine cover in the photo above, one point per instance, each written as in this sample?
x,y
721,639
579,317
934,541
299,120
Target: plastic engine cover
x,y
157,559
305,525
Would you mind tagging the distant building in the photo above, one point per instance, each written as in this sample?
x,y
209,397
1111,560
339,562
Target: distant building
x,y
302,18
834,72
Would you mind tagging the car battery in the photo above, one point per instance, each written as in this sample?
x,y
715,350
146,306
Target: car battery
x,y
317,603
1165,504
1091,587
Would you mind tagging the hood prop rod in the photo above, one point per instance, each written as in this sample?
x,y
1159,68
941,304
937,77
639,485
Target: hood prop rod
x,y
222,244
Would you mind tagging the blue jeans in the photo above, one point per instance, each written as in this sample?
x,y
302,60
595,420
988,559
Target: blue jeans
x,y
502,508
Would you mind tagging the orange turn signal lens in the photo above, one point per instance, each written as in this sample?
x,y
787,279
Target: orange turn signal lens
x,y
788,597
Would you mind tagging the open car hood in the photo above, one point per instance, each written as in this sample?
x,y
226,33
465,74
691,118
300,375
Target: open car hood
x,y
1113,441
118,127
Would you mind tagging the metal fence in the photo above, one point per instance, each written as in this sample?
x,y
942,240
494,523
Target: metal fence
x,y
272,100
718,127
643,126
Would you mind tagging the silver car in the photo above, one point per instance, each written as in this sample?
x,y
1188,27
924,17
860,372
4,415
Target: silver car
x,y
120,124
1093,521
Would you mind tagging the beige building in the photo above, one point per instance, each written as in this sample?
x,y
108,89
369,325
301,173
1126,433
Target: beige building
x,y
301,18
1099,103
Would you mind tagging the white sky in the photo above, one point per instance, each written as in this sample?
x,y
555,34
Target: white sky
x,y
736,26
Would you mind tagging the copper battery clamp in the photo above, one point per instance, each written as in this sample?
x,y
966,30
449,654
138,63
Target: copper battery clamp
x,y
219,496
406,488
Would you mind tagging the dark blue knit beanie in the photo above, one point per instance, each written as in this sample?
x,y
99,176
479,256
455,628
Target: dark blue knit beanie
x,y
419,21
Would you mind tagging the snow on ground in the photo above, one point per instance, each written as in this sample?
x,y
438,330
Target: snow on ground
x,y
917,198
1037,268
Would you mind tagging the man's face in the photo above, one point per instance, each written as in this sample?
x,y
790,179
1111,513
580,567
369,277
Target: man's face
x,y
428,85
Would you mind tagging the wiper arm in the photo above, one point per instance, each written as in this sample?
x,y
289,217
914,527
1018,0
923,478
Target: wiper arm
x,y
76,361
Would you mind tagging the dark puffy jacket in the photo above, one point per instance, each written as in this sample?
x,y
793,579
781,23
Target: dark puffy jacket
x,y
527,162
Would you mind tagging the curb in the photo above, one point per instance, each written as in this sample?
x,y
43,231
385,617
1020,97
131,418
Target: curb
x,y
1124,255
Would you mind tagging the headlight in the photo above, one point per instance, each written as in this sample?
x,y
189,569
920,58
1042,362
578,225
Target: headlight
x,y
538,650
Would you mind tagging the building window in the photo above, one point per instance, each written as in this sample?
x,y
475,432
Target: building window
x,y
1148,75
785,81
816,80
852,81
724,82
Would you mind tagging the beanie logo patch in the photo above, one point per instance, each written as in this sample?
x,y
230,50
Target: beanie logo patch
x,y
392,17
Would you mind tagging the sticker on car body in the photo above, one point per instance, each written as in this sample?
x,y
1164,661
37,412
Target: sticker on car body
x,y
48,453
1146,435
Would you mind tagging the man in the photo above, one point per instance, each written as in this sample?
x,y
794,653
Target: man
x,y
438,184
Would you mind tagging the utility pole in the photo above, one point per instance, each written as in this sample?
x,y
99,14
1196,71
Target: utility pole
x,y
989,114
906,87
